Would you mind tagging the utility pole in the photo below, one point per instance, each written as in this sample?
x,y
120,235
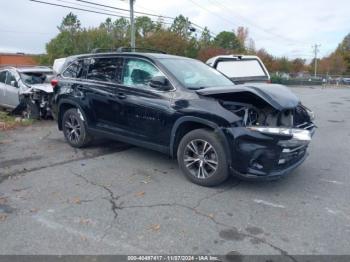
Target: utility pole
x,y
132,25
316,50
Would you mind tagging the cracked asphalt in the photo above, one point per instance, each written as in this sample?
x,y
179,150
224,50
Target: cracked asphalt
x,y
112,198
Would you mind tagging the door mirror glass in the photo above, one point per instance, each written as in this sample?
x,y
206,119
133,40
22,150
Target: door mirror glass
x,y
160,83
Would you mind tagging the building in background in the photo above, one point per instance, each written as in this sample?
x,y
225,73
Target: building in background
x,y
17,59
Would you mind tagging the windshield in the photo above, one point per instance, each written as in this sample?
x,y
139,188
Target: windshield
x,y
194,74
241,68
33,78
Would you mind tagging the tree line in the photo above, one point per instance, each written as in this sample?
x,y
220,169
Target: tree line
x,y
178,38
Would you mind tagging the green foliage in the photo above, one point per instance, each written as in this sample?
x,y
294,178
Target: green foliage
x,y
177,39
181,26
228,40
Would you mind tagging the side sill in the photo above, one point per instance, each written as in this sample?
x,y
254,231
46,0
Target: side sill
x,y
129,140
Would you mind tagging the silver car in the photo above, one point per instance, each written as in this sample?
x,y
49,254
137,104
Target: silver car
x,y
26,90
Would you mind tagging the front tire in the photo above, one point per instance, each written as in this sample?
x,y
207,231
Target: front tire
x,y
74,129
202,158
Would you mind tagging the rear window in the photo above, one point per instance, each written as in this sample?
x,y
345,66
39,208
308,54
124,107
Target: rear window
x,y
241,68
33,78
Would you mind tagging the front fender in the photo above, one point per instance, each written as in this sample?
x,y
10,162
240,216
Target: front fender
x,y
192,119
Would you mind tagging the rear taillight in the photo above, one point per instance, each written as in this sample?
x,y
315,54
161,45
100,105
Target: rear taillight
x,y
54,82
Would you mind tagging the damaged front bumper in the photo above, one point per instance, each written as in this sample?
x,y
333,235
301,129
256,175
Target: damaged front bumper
x,y
267,153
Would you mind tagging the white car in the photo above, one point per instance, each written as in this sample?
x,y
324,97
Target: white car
x,y
58,65
241,68
26,90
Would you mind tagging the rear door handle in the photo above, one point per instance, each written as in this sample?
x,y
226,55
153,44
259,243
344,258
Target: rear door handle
x,y
121,95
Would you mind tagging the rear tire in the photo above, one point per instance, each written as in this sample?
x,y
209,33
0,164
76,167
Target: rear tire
x,y
202,158
74,129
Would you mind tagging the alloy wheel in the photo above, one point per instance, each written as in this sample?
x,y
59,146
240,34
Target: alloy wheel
x,y
72,128
200,158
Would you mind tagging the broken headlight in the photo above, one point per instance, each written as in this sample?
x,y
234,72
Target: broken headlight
x,y
310,113
298,136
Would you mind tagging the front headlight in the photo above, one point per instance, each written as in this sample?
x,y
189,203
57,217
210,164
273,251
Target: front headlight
x,y
297,134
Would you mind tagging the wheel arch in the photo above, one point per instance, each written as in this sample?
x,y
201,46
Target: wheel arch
x,y
63,106
188,123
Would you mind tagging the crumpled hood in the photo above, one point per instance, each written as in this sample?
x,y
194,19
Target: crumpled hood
x,y
47,88
278,96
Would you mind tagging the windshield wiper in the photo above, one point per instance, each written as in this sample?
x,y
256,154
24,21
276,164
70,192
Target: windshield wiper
x,y
195,88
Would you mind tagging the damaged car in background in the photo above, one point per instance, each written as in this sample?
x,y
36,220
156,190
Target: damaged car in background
x,y
186,109
26,91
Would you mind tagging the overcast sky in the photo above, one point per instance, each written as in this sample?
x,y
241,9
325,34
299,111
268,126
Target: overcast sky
x,y
282,27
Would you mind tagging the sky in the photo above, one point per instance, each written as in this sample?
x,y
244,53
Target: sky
x,y
283,27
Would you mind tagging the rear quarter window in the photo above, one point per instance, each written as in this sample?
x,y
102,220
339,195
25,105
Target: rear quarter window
x,y
74,70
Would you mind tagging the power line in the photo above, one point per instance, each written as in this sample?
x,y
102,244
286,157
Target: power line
x,y
110,14
88,6
83,9
144,13
77,8
123,9
243,18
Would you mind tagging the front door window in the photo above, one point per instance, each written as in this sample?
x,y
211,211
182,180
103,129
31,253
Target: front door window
x,y
138,73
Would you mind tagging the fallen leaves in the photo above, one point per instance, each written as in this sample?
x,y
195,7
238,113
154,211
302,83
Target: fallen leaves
x,y
34,210
140,194
4,141
84,221
3,200
154,227
2,217
76,200
83,238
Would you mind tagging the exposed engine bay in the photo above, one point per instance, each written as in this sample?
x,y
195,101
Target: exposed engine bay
x,y
268,116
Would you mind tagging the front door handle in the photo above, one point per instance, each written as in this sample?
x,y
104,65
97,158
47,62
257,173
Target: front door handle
x,y
121,95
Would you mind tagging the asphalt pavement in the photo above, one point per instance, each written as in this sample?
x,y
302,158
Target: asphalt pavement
x,y
112,198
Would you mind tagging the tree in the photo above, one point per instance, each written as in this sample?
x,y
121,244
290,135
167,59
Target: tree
x,y
167,41
228,40
70,23
242,35
267,59
298,65
205,39
144,25
181,26
107,25
121,28
344,50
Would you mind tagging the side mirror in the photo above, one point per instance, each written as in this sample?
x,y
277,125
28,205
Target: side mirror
x,y
14,83
160,83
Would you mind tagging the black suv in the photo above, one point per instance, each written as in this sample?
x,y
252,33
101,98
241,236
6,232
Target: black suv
x,y
186,109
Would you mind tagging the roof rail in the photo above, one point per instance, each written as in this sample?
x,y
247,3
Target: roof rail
x,y
125,49
130,49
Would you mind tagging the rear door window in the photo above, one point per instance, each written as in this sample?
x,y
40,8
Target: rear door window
x,y
3,77
106,69
10,77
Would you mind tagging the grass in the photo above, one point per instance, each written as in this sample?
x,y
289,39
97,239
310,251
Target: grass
x,y
9,122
